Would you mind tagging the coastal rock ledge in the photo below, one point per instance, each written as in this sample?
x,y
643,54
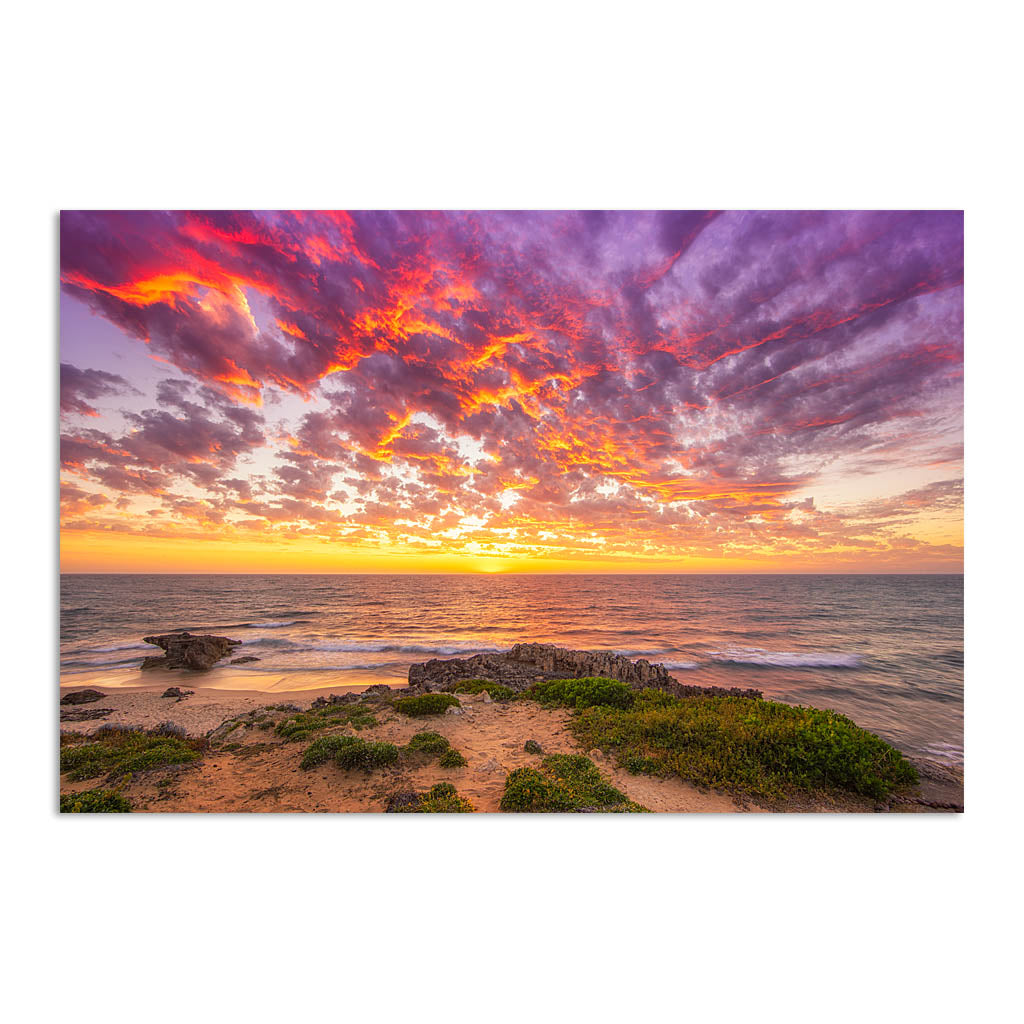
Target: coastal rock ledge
x,y
526,664
183,650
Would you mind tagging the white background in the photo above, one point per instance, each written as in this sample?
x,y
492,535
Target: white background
x,y
798,105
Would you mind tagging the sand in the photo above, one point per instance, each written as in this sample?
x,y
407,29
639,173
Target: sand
x,y
263,774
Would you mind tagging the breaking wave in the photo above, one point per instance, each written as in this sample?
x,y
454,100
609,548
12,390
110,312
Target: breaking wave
x,y
784,659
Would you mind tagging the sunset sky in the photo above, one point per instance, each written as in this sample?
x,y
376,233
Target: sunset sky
x,y
511,392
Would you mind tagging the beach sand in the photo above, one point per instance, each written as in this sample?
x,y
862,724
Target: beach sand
x,y
260,773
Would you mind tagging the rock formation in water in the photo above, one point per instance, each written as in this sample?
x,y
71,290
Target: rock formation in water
x,y
183,650
526,664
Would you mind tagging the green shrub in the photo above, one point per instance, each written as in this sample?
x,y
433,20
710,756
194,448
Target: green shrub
x,y
119,751
302,725
360,754
94,801
444,799
428,743
757,747
495,690
322,750
428,704
592,691
451,758
564,782
533,747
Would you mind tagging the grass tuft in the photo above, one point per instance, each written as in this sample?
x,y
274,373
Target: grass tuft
x,y
428,743
428,704
564,782
94,801
304,724
591,691
120,751
451,758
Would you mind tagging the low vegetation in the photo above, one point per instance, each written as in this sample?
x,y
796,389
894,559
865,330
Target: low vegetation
x,y
564,782
433,744
451,758
428,743
494,690
755,747
428,704
440,799
94,801
592,691
117,752
348,752
302,725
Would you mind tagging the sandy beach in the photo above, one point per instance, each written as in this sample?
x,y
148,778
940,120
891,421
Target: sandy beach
x,y
262,774
252,769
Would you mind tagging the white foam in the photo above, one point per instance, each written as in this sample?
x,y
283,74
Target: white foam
x,y
785,659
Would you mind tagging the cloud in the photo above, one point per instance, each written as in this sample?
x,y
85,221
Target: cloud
x,y
670,382
79,388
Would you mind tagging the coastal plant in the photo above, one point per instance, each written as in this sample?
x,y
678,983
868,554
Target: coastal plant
x,y
443,798
323,749
94,801
755,747
120,751
302,725
564,782
451,758
494,690
361,754
590,691
427,704
428,743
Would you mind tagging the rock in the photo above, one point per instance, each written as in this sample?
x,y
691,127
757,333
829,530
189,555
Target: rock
x,y
82,697
533,747
174,691
595,754
377,690
183,650
526,664
454,711
485,698
85,715
243,661
489,766
346,698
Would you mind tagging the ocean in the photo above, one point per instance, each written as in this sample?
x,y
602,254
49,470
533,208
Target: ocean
x,y
885,650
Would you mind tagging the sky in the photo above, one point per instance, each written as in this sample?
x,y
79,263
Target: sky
x,y
694,391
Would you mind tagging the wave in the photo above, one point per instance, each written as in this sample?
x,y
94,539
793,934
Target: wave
x,y
680,665
784,659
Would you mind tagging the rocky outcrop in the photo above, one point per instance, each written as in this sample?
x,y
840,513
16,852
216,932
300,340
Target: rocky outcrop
x,y
526,664
82,697
243,661
183,650
174,691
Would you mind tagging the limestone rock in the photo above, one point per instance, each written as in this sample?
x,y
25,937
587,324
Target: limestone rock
x,y
183,650
174,691
82,697
526,664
